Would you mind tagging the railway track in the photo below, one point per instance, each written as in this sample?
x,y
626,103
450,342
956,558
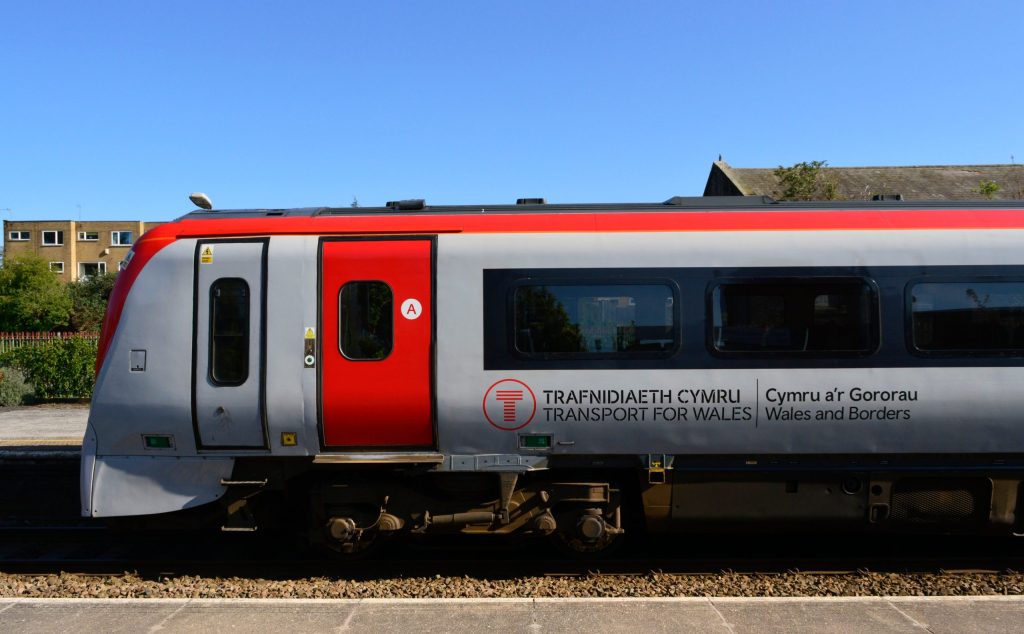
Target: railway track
x,y
489,573
88,547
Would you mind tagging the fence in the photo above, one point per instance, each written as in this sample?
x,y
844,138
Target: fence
x,y
12,340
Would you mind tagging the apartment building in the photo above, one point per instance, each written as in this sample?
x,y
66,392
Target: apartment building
x,y
74,248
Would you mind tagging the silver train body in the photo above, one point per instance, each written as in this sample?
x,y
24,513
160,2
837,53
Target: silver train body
x,y
663,392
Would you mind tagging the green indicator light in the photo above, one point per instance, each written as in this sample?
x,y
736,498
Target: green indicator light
x,y
157,442
535,442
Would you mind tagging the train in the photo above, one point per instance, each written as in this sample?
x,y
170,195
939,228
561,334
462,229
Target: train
x,y
577,371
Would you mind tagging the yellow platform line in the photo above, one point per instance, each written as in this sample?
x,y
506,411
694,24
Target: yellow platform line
x,y
40,442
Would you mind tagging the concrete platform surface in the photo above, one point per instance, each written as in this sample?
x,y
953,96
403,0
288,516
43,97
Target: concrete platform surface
x,y
45,424
728,615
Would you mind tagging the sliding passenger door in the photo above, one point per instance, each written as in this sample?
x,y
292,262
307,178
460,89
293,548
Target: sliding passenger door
x,y
376,352
229,344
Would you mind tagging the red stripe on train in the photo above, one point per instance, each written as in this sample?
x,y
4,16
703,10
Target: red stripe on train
x,y
386,223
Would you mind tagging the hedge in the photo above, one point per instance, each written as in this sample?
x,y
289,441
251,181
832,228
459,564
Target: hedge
x,y
62,368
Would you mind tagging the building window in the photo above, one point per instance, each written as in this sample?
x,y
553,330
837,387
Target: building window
x,y
88,236
18,236
833,316
594,319
91,269
120,238
229,331
365,314
53,238
982,317
57,267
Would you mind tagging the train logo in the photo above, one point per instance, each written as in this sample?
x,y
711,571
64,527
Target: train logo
x,y
509,404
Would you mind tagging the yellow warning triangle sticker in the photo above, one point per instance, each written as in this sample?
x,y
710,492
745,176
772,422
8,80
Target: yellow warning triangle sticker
x,y
310,333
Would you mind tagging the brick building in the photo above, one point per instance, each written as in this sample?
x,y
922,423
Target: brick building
x,y
74,248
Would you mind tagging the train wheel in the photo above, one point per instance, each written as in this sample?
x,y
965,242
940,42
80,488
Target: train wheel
x,y
590,535
343,539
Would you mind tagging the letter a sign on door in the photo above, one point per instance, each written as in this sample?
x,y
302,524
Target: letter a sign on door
x,y
411,309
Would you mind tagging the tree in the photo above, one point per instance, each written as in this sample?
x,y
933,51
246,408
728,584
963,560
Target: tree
x,y
987,189
32,298
806,181
89,298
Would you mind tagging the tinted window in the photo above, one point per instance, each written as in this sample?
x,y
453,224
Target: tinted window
x,y
594,319
365,311
798,316
120,238
968,316
229,331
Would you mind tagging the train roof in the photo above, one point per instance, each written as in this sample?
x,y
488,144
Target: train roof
x,y
419,207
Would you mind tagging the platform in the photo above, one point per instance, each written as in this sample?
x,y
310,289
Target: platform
x,y
727,615
54,430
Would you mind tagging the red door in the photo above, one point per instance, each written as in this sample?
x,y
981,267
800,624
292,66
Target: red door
x,y
377,333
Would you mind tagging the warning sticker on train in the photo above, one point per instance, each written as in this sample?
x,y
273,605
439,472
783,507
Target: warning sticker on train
x,y
206,256
509,404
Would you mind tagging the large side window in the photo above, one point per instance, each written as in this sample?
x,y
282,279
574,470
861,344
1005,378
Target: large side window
x,y
594,319
229,331
53,238
365,312
795,316
966,316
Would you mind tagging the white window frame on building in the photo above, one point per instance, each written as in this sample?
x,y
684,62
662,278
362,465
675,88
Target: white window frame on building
x,y
19,236
57,235
117,238
56,267
101,268
89,236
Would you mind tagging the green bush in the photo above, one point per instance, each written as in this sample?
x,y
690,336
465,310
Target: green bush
x,y
13,388
62,368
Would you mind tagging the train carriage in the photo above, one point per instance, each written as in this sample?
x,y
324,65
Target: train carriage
x,y
577,370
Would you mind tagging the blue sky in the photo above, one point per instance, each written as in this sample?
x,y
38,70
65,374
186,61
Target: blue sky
x,y
120,109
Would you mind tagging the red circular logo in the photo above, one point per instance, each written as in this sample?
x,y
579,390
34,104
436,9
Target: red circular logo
x,y
509,404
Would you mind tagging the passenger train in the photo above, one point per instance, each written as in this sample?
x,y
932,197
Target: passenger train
x,y
580,371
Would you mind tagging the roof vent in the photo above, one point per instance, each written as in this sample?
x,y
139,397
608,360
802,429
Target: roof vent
x,y
887,198
412,204
531,201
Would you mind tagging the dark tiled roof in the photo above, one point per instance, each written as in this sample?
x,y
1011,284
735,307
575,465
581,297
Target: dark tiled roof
x,y
919,182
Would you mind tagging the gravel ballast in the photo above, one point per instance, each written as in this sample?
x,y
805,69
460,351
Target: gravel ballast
x,y
132,585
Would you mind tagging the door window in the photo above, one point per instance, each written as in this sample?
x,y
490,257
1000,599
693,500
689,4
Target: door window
x,y
229,331
365,321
